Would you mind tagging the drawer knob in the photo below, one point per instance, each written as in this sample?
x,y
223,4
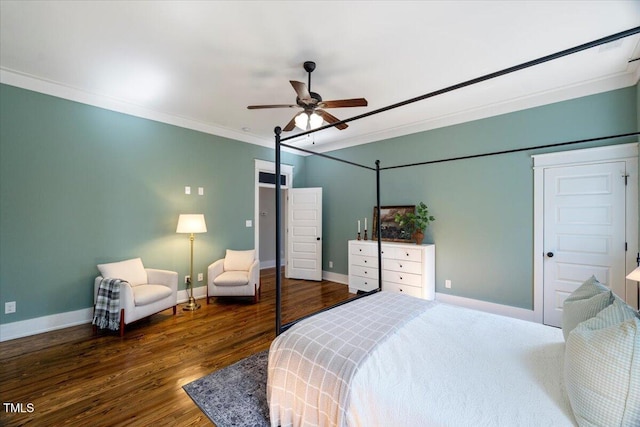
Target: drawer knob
x,y
400,277
365,261
400,265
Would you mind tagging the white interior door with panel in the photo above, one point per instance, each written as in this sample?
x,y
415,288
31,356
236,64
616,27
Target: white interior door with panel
x,y
585,223
304,234
584,231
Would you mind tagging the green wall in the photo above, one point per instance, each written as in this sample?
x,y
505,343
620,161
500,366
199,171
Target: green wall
x,y
81,185
484,206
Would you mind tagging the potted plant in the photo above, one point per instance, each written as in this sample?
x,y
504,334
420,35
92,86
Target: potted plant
x,y
416,223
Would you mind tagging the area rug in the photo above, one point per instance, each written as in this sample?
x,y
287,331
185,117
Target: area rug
x,y
236,395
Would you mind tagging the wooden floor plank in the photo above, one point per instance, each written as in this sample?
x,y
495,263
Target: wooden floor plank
x,y
74,378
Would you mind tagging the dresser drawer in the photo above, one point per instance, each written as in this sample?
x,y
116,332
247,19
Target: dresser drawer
x,y
406,254
358,270
364,261
402,266
407,279
363,283
402,289
364,249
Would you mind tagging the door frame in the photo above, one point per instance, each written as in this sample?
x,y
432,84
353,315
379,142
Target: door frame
x,y
621,152
269,167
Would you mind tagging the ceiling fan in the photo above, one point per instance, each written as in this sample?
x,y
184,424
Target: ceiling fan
x,y
313,115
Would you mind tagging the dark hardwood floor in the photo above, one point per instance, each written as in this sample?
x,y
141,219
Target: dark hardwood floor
x,y
70,377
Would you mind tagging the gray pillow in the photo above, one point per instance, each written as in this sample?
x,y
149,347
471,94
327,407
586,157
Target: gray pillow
x,y
584,303
602,368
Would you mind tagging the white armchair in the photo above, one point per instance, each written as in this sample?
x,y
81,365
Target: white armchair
x,y
235,275
147,290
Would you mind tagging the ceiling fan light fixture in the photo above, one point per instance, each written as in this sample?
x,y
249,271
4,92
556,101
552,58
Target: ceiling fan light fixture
x,y
315,121
302,120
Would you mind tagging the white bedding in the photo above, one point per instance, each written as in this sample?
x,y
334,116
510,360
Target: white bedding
x,y
457,367
451,366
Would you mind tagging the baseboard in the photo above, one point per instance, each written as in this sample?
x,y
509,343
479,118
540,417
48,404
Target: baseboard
x,y
267,264
39,325
335,277
198,293
489,307
270,264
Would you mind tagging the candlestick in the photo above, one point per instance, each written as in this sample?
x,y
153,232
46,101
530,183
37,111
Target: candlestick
x,y
365,234
358,235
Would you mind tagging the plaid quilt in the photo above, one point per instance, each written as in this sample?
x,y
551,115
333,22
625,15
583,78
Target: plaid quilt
x,y
107,312
311,365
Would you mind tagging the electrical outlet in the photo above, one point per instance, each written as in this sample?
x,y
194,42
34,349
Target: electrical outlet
x,y
330,264
447,284
200,277
9,307
186,279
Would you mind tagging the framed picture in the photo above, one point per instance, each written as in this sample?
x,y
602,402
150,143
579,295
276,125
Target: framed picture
x,y
389,228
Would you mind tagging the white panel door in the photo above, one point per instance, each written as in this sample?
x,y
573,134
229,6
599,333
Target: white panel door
x,y
304,237
584,231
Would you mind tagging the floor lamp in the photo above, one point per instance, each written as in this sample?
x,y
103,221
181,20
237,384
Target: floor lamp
x,y
635,275
191,223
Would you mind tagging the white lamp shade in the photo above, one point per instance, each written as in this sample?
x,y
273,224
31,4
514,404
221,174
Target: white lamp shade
x,y
302,120
191,223
634,275
315,121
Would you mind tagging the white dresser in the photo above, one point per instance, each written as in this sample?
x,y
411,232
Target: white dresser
x,y
406,267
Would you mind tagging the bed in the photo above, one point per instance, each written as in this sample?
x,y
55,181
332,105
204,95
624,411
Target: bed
x,y
394,360
416,363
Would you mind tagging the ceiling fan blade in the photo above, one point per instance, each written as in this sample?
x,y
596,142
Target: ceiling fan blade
x,y
292,124
301,89
256,107
339,103
329,118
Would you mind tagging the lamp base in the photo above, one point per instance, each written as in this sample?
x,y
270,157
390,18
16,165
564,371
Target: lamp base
x,y
191,305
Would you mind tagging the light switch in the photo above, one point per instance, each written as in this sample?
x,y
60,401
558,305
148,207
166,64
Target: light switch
x,y
187,190
201,191
200,277
248,223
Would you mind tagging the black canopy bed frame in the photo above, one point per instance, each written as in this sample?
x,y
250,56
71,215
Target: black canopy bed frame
x,y
279,143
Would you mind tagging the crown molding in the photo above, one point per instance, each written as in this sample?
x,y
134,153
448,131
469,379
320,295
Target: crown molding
x,y
579,90
617,81
25,81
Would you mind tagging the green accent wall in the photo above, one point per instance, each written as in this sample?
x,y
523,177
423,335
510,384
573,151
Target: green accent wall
x,y
484,206
81,185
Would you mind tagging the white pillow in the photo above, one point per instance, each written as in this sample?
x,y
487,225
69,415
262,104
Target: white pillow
x,y
130,270
602,368
239,260
584,303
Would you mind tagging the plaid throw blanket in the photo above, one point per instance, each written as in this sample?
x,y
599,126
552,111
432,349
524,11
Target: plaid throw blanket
x,y
107,311
312,364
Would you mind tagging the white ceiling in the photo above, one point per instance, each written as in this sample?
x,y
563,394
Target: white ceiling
x,y
199,64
